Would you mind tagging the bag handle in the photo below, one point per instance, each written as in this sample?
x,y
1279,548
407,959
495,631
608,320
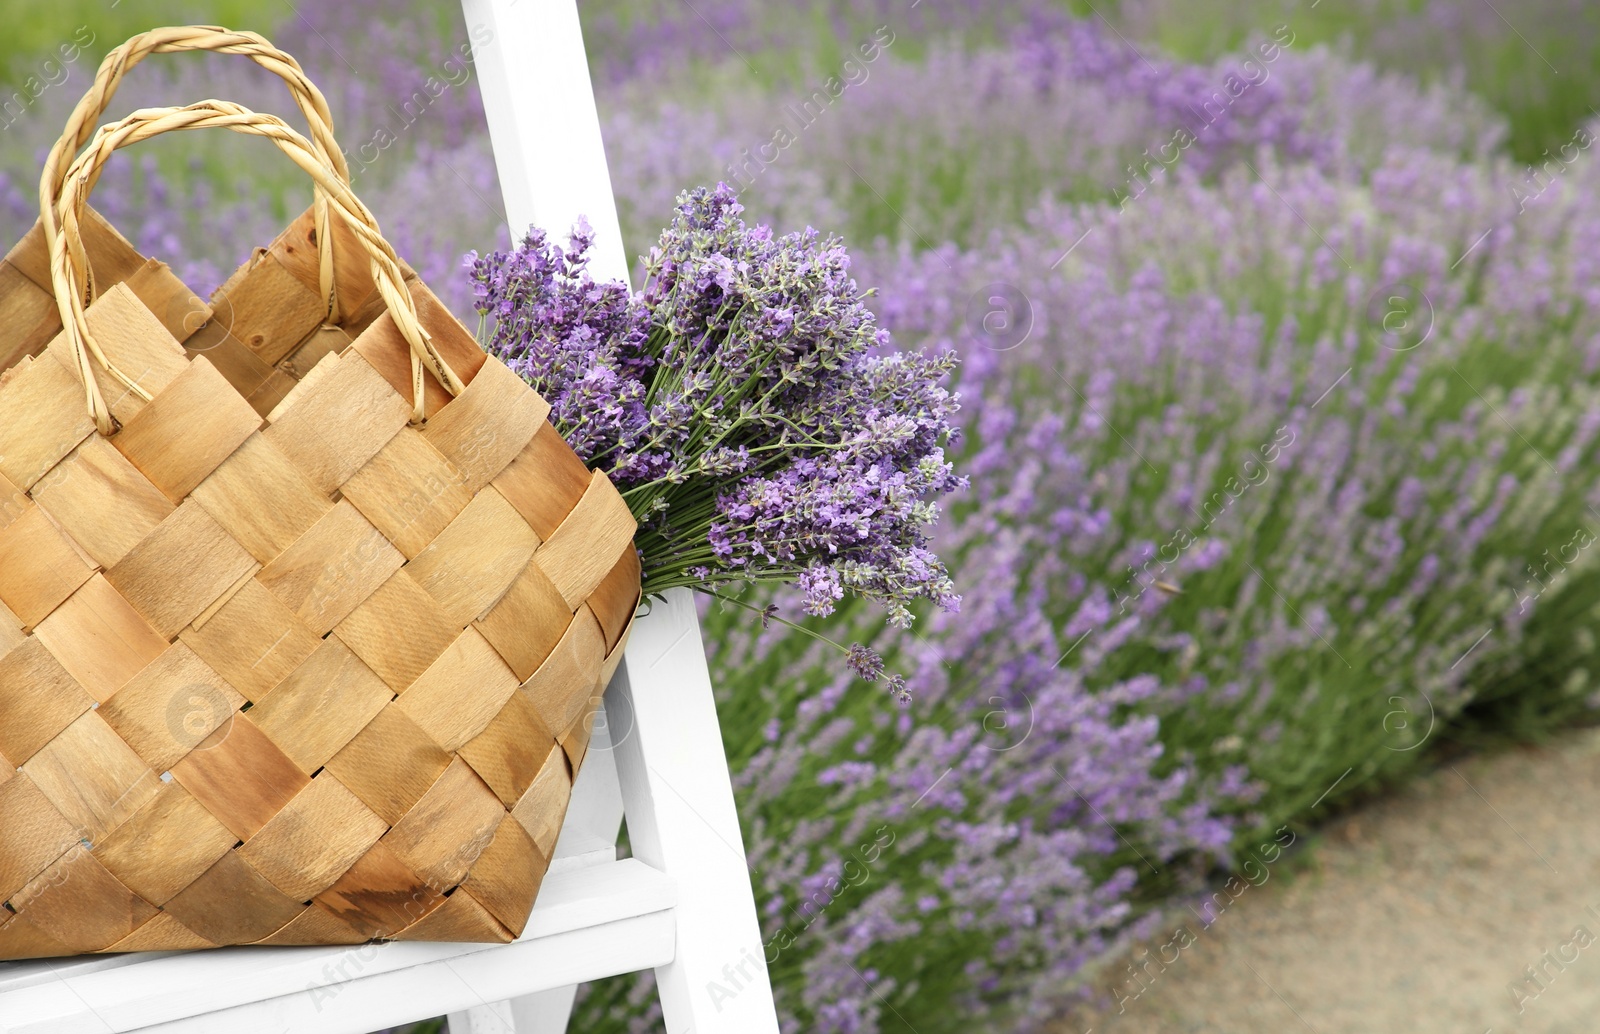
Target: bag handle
x,y
69,266
175,39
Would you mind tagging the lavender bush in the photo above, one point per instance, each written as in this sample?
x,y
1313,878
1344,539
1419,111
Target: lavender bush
x,y
1541,71
963,143
1281,455
1373,504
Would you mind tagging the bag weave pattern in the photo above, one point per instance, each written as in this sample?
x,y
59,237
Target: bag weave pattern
x,y
278,666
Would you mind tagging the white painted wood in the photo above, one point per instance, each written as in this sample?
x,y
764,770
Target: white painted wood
x,y
682,820
483,1019
594,814
543,1013
539,103
394,999
528,51
42,971
534,76
589,923
548,1011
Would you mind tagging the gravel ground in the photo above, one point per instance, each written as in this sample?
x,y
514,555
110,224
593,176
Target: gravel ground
x,y
1419,913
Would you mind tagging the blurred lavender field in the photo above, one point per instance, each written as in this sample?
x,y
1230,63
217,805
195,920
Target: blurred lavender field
x,y
1281,402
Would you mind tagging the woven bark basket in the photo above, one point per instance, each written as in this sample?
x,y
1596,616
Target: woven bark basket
x,y
305,607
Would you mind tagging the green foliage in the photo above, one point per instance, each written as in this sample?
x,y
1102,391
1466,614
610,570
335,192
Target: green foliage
x,y
33,31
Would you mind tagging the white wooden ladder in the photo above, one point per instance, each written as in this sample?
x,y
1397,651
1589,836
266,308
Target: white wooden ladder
x,y
682,905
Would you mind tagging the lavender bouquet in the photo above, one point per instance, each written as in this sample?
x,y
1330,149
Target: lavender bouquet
x,y
755,417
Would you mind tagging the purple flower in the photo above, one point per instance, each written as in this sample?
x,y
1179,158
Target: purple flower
x,y
866,663
757,419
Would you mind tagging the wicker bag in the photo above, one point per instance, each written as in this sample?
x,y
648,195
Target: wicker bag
x,y
305,607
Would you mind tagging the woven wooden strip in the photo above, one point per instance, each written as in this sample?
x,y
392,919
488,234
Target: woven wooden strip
x,y
161,933
38,699
267,309
332,430
324,657
575,741
166,845
474,560
102,501
98,637
314,839
443,834
381,344
82,905
241,776
582,551
92,776
484,430
11,634
460,918
528,621
390,763
296,251
576,659
332,569
266,383
461,693
544,482
40,567
21,939
410,491
37,833
323,341
232,903
29,310
111,258
380,895
243,368
321,706
169,299
505,878
262,499
254,641
399,603
543,808
48,422
135,340
188,430
507,754
616,598
13,503
315,925
180,569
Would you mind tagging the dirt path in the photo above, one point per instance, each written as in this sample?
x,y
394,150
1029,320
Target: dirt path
x,y
1418,914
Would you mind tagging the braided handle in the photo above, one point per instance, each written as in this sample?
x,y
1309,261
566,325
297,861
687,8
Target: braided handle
x,y
175,39
69,269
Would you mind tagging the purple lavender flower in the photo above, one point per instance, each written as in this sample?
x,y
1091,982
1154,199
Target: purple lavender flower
x,y
755,416
866,663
